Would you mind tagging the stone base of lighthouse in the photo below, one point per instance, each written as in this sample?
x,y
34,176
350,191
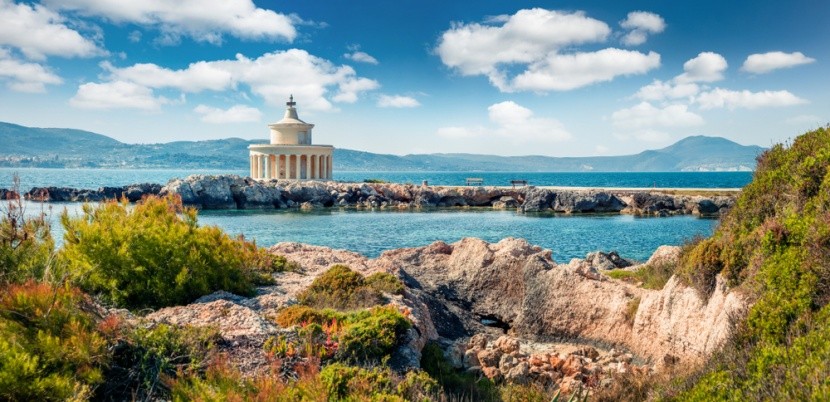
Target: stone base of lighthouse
x,y
297,162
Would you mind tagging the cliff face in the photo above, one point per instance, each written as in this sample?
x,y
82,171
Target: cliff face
x,y
516,286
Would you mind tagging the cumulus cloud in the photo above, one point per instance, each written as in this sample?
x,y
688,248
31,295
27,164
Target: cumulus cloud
x,y
640,24
116,95
562,72
235,114
23,76
203,20
660,90
314,81
397,101
763,63
361,57
39,32
725,98
533,39
645,115
706,67
514,122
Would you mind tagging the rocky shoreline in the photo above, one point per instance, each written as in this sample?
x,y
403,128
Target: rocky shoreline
x,y
502,310
234,192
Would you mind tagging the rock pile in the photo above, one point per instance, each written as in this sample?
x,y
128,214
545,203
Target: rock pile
x,y
579,368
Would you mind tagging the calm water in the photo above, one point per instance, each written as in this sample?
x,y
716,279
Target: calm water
x,y
372,232
94,178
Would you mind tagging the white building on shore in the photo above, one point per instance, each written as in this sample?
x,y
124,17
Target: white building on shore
x,y
291,154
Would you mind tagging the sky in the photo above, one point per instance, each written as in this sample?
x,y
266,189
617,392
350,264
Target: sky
x,y
556,78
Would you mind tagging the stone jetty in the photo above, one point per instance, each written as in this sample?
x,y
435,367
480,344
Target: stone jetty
x,y
235,192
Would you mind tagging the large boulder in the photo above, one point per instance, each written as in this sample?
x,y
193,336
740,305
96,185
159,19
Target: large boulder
x,y
538,199
204,191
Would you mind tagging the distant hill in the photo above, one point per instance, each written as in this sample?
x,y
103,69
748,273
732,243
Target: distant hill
x,y
60,147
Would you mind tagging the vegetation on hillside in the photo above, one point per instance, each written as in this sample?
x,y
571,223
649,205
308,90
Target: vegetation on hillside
x,y
775,247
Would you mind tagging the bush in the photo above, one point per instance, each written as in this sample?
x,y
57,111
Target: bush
x,y
155,255
146,359
341,288
364,336
26,244
50,348
775,244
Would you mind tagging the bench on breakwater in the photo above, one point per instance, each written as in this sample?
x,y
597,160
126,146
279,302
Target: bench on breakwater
x,y
475,181
520,183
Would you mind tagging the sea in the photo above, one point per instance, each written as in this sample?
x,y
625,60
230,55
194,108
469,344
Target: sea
x,y
372,232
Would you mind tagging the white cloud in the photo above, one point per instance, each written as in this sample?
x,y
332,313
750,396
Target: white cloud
x,y
646,116
646,122
725,98
116,95
513,122
272,76
640,24
562,72
765,62
23,76
203,20
533,40
235,114
706,67
361,57
397,101
39,32
659,90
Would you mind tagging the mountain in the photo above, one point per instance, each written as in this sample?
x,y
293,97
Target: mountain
x,y
61,147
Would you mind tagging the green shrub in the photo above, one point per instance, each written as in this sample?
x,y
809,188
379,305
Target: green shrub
x,y
385,282
371,335
650,276
341,288
50,348
775,244
155,255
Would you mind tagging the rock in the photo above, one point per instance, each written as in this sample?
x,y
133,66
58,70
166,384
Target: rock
x,y
477,342
204,191
537,199
538,360
507,362
556,363
706,207
489,357
231,319
492,373
571,365
518,374
135,192
471,358
505,202
251,194
588,352
606,261
507,344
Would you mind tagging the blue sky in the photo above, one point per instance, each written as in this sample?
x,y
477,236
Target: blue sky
x,y
559,78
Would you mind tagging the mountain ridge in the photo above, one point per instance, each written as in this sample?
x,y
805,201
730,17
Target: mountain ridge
x,y
64,147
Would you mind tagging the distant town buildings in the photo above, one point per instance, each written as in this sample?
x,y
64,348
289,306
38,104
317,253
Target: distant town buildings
x,y
291,154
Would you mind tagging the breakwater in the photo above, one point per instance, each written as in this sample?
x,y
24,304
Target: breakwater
x,y
235,192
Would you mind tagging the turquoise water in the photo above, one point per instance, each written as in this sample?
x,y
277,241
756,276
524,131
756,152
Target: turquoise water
x,y
94,178
372,232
